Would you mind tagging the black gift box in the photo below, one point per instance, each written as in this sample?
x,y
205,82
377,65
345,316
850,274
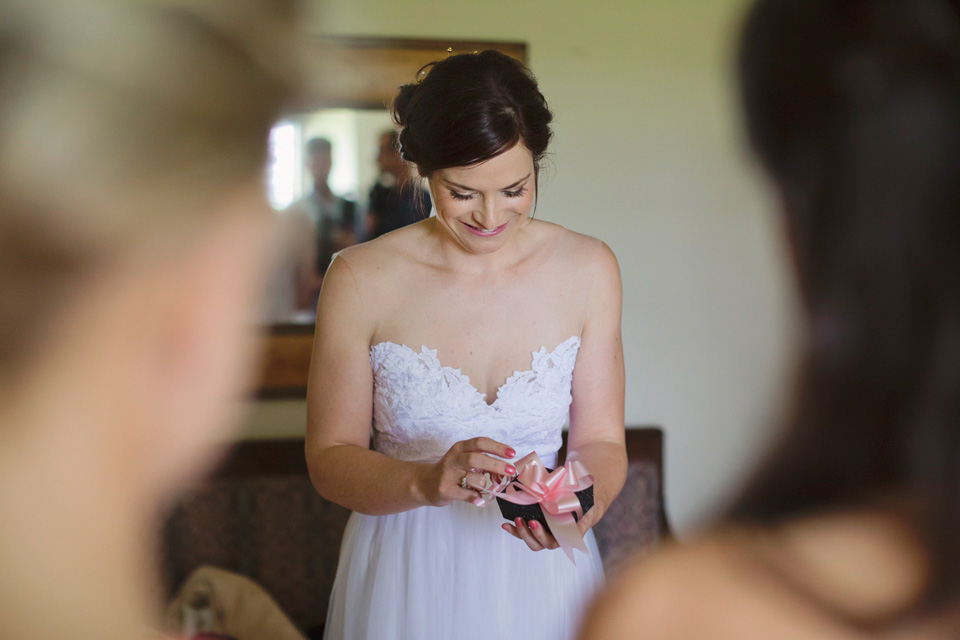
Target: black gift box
x,y
529,512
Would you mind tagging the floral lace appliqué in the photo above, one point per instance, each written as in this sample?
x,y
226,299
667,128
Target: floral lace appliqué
x,y
421,407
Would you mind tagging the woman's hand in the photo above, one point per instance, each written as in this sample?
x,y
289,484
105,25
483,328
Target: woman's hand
x,y
536,536
440,484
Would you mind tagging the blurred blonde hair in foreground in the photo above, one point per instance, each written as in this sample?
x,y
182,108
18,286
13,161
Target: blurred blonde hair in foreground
x,y
132,140
120,120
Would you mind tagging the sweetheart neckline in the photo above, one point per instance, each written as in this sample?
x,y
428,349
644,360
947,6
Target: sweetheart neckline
x,y
466,379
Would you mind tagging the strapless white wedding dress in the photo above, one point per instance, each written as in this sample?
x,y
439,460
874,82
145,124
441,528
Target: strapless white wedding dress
x,y
452,572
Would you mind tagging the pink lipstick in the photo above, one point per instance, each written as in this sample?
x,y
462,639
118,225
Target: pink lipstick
x,y
485,233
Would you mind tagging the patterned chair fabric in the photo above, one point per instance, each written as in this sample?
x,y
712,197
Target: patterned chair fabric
x,y
276,529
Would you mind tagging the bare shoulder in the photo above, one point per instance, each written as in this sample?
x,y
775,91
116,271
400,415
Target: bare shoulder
x,y
669,594
586,254
375,261
706,589
364,281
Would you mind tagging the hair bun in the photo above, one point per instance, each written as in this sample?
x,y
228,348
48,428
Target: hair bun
x,y
402,105
468,108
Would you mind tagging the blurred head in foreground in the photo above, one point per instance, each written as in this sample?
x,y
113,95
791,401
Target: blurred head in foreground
x,y
132,141
853,107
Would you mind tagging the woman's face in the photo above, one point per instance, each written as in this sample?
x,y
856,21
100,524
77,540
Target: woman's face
x,y
484,205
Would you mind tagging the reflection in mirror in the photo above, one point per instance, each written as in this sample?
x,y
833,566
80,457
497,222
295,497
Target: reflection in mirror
x,y
335,178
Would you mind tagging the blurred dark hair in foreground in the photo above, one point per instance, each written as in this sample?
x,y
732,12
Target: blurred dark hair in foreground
x,y
854,109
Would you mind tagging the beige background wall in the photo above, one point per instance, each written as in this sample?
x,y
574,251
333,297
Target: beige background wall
x,y
647,157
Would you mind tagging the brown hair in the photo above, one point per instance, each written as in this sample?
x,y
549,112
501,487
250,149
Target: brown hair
x,y
119,121
469,108
853,108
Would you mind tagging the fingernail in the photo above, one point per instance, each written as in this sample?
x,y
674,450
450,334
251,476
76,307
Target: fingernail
x,y
534,524
511,453
505,527
511,470
519,522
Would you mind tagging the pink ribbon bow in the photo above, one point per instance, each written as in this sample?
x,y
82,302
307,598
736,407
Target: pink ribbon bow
x,y
555,492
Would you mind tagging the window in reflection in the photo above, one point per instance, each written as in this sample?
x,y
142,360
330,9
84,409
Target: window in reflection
x,y
354,136
284,172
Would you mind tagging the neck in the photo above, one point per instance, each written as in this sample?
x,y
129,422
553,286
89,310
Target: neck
x,y
503,260
74,546
323,189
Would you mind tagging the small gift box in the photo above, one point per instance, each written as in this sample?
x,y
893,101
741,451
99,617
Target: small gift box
x,y
556,498
511,511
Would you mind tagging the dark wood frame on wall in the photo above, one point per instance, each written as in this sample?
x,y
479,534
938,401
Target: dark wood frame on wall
x,y
365,72
353,73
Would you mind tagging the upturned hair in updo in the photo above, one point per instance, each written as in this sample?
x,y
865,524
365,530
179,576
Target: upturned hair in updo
x,y
469,108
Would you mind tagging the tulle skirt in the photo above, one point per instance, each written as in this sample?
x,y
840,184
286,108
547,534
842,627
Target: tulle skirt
x,y
452,572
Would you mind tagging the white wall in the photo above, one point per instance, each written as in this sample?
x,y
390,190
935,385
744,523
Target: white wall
x,y
646,157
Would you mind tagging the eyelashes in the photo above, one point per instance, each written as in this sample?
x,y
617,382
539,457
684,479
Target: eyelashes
x,y
510,194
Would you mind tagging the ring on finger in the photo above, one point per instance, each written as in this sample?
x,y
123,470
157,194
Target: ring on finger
x,y
463,483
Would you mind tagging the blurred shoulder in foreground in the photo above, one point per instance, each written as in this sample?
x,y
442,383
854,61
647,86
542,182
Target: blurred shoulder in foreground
x,y
833,577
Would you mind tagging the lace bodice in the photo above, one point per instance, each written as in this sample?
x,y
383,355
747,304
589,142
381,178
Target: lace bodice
x,y
421,408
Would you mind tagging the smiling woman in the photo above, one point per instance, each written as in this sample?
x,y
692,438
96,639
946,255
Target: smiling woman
x,y
485,199
351,83
479,159
530,313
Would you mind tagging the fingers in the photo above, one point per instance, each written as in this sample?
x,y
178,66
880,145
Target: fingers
x,y
525,534
511,529
532,533
466,495
471,459
481,462
588,520
452,491
476,480
488,445
539,533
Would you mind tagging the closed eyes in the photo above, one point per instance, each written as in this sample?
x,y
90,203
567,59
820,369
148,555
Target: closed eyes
x,y
469,196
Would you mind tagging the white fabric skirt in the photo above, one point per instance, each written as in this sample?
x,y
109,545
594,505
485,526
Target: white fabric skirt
x,y
452,572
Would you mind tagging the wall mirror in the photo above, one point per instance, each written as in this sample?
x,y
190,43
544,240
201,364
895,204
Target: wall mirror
x,y
350,82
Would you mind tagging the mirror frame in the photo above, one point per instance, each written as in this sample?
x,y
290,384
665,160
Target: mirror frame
x,y
365,72
352,72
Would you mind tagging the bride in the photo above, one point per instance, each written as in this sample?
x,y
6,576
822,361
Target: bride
x,y
466,340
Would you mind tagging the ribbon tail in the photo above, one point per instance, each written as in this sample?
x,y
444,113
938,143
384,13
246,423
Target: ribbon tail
x,y
567,533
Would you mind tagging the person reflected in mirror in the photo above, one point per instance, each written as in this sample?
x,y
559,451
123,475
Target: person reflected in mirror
x,y
291,293
466,341
333,217
396,199
133,223
851,527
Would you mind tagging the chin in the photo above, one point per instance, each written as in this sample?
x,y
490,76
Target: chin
x,y
485,249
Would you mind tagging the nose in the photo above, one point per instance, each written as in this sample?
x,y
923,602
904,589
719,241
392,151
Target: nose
x,y
486,216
